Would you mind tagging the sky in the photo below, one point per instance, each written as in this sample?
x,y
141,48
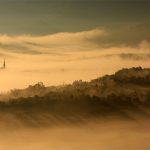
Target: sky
x,y
59,41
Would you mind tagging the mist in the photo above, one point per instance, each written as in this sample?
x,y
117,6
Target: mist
x,y
118,135
23,70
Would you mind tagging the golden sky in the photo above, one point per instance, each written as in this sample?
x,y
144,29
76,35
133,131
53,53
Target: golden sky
x,y
65,57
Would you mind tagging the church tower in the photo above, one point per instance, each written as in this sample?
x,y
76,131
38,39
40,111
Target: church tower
x,y
4,64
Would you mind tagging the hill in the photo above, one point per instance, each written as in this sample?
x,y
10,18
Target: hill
x,y
123,95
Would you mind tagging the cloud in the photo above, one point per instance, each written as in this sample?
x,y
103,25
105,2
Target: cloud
x,y
130,56
144,45
49,43
70,42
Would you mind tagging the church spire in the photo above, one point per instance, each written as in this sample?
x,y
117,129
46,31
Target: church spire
x,y
4,64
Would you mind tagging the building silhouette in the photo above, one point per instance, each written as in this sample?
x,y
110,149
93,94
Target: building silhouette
x,y
4,65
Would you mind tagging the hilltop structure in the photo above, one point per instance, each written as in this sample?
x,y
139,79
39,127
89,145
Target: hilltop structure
x,y
4,64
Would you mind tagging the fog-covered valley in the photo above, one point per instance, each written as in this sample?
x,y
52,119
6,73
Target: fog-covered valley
x,y
112,135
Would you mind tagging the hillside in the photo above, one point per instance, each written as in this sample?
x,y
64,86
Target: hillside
x,y
123,95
